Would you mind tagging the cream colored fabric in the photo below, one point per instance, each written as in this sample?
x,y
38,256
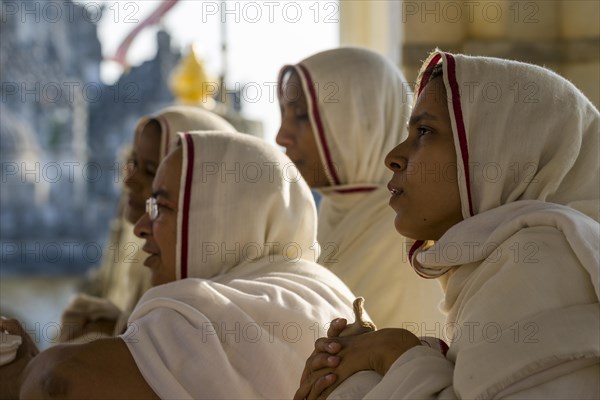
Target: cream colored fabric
x,y
250,302
359,104
123,278
130,278
176,119
521,275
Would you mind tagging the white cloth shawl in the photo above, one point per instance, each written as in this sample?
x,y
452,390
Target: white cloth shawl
x,y
176,119
521,271
359,104
128,279
134,279
122,276
244,321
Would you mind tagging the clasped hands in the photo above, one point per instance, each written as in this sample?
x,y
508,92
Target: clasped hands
x,y
336,358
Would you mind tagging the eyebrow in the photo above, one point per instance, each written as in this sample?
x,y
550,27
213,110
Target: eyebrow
x,y
420,117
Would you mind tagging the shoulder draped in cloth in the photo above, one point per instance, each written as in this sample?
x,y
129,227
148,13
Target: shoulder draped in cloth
x,y
249,301
522,279
358,106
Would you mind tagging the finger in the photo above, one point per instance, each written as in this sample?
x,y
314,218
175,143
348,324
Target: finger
x,y
323,360
12,326
325,394
336,327
303,391
318,361
314,382
306,372
321,385
327,345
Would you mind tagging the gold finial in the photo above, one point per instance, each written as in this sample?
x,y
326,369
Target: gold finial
x,y
189,82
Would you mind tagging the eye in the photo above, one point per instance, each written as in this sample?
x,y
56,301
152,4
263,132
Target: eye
x,y
422,131
165,205
301,115
130,166
151,171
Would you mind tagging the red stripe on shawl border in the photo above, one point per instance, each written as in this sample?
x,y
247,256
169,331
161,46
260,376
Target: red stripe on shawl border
x,y
427,72
460,125
187,194
319,123
355,190
413,249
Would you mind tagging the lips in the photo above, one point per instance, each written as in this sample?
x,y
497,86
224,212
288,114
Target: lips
x,y
395,190
151,250
295,159
150,259
148,248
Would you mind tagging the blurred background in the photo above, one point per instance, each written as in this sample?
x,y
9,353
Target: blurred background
x,y
76,76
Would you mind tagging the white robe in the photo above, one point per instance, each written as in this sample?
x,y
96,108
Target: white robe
x,y
248,302
122,277
522,323
521,272
359,103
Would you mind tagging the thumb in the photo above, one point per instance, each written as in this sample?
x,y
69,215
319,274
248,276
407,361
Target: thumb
x,y
336,327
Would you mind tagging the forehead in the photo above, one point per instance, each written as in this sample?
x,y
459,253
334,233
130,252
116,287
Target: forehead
x,y
147,141
168,174
291,88
433,96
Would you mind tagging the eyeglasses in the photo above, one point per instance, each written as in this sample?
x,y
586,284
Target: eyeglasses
x,y
152,207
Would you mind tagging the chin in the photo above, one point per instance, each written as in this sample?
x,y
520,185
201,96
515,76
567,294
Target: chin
x,y
398,225
404,231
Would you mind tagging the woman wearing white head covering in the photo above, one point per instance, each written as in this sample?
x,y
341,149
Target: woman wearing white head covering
x,y
518,247
342,111
225,216
246,232
122,279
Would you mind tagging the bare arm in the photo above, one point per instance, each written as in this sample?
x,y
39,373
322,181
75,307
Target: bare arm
x,y
100,369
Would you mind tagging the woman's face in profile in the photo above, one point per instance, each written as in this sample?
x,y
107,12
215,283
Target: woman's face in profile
x,y
424,186
141,169
296,133
161,233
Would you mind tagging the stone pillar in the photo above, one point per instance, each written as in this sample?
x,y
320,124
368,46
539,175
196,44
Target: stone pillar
x,y
372,24
579,30
561,35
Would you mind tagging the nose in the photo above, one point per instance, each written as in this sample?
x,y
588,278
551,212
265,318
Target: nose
x,y
395,161
131,180
284,137
143,228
